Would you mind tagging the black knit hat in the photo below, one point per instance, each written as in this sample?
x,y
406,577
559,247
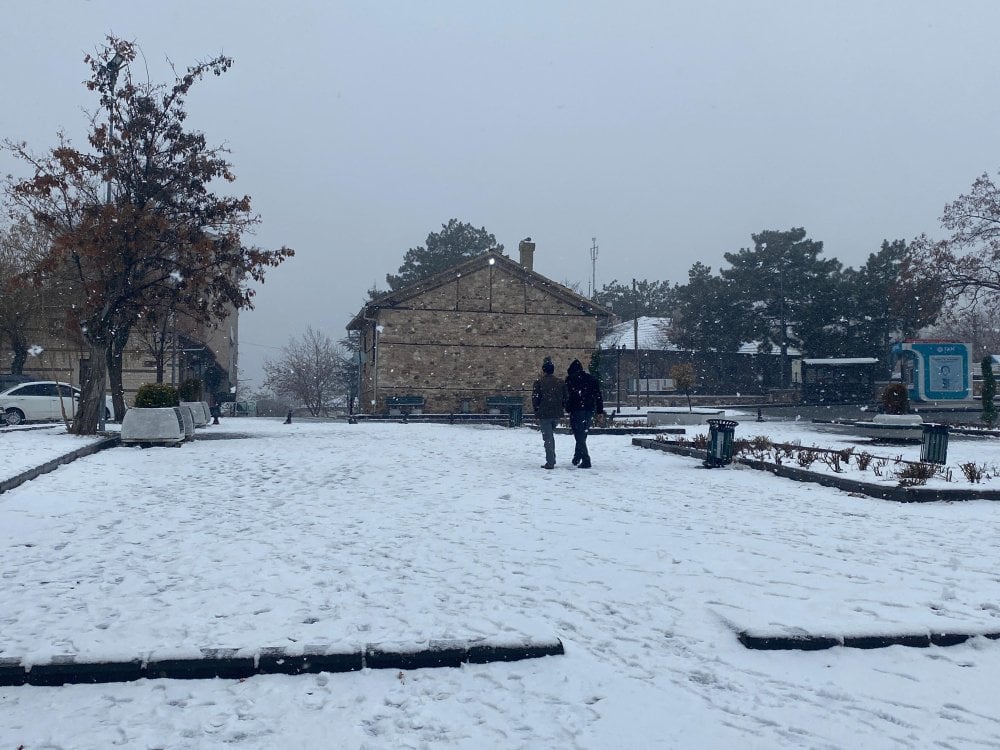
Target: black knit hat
x,y
547,367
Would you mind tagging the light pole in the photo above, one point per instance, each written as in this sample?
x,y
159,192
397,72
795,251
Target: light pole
x,y
635,339
618,377
781,316
781,320
111,68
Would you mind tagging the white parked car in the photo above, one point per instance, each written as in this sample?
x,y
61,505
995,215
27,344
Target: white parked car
x,y
43,400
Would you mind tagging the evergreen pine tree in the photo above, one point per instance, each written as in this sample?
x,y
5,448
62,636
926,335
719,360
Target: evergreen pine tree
x,y
989,392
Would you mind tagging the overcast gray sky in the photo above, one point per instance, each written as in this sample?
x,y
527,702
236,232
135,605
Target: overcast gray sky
x,y
669,131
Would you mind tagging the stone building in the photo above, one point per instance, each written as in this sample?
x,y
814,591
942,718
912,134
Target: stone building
x,y
191,350
466,338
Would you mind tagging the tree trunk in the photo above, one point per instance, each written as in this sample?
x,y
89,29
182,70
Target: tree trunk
x,y
20,349
115,358
17,363
92,392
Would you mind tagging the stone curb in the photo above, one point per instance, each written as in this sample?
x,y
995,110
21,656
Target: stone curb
x,y
882,492
623,430
108,442
235,664
820,642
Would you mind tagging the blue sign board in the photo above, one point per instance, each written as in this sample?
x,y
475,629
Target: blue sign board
x,y
936,370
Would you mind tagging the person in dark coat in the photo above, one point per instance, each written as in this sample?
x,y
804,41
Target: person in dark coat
x,y
583,401
547,398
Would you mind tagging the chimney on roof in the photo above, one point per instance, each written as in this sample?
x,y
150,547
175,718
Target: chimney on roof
x,y
526,249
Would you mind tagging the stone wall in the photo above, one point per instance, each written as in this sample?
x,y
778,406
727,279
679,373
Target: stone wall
x,y
485,334
57,358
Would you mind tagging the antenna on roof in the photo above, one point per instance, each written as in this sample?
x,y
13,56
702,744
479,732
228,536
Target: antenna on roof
x,y
593,267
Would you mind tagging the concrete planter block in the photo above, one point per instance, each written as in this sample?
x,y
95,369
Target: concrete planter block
x,y
907,427
199,411
188,418
681,415
160,426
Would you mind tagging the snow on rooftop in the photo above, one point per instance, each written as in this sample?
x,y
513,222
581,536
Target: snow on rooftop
x,y
842,361
654,336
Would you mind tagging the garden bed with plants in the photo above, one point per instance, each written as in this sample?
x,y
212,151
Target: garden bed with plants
x,y
890,473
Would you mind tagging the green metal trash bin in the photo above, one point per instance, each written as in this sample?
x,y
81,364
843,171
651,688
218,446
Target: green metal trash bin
x,y
720,442
512,406
934,444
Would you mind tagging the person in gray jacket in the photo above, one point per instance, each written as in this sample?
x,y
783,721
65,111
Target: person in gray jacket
x,y
547,398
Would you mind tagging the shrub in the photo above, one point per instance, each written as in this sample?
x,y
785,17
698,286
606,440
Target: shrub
x,y
683,376
156,395
833,461
863,459
760,446
914,475
190,390
895,399
973,472
806,457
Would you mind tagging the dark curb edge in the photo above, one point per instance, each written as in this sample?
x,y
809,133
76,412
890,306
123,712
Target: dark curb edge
x,y
235,664
822,642
108,442
624,430
895,494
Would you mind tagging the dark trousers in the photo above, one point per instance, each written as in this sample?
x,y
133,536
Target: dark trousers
x,y
579,422
548,428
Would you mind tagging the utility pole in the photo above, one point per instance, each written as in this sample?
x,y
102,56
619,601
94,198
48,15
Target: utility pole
x,y
635,340
593,267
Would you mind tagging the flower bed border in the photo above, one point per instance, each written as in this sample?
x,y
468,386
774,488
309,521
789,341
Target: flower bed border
x,y
235,664
882,492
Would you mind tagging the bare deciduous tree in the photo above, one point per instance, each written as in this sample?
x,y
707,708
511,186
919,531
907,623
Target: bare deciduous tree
x,y
968,262
309,372
975,321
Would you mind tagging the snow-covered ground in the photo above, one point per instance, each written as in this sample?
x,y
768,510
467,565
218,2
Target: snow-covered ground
x,y
24,448
645,566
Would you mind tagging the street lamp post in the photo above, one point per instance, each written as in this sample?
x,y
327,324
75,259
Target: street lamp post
x,y
112,68
635,341
782,322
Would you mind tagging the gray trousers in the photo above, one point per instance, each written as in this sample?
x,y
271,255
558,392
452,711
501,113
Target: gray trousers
x,y
548,428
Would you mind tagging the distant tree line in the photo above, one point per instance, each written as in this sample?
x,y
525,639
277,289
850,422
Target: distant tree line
x,y
780,292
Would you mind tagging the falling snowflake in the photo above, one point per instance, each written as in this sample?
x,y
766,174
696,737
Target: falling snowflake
x,y
176,276
35,350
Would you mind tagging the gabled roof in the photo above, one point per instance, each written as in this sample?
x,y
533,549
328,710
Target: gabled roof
x,y
400,296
